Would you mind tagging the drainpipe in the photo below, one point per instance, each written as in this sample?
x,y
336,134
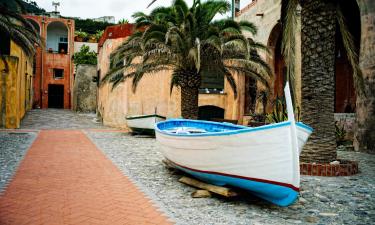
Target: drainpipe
x,y
42,62
4,98
71,50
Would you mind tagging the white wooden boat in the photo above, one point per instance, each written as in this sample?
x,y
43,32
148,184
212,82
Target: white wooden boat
x,y
263,160
143,123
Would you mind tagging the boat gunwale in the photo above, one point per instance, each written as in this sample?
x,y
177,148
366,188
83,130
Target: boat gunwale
x,y
242,129
144,116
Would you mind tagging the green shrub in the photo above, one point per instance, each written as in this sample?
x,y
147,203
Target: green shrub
x,y
85,56
280,112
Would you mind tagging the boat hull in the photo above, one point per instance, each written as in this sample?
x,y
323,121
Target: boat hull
x,y
144,123
259,160
281,195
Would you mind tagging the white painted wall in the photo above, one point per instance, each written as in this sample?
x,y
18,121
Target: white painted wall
x,y
54,32
92,46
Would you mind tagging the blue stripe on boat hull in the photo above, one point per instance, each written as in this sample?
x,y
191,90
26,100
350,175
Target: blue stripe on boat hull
x,y
277,194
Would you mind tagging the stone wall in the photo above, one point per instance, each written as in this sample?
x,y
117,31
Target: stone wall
x,y
84,90
265,14
365,122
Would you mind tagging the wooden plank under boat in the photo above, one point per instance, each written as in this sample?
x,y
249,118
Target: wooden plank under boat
x,y
263,160
144,123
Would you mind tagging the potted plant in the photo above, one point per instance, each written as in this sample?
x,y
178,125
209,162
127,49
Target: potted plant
x,y
80,36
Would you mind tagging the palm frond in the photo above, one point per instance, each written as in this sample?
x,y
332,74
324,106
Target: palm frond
x,y
288,43
350,48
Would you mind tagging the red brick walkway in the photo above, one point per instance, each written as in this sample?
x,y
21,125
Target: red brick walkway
x,y
65,179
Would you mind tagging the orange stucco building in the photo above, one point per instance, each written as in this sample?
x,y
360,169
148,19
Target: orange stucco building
x,y
53,69
216,99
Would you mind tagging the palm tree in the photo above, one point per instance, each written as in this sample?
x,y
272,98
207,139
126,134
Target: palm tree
x,y
318,20
188,42
19,30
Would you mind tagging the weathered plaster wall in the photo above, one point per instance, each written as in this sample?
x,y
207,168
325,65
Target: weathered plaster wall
x,y
15,88
84,90
153,94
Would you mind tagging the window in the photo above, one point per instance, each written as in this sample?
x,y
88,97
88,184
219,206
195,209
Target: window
x,y
212,82
63,45
4,44
64,39
58,73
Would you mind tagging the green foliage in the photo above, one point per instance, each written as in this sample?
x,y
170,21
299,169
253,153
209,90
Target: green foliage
x,y
340,133
14,26
28,6
99,34
123,21
90,26
85,56
81,34
189,42
280,112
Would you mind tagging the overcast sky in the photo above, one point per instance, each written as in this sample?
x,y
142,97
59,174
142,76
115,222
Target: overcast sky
x,y
96,8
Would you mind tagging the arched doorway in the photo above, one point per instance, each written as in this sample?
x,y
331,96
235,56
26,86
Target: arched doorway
x,y
277,60
210,112
57,37
344,85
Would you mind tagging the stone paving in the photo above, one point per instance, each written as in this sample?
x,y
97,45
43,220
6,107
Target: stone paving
x,y
65,179
59,119
324,200
13,147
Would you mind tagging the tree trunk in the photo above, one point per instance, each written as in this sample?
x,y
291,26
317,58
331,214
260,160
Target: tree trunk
x,y
189,102
318,64
364,136
189,82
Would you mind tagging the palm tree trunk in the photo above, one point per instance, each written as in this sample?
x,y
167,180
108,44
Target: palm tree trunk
x,y
318,63
364,137
189,102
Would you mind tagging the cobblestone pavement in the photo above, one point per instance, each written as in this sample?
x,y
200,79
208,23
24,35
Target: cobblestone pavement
x,y
59,119
51,173
13,146
324,200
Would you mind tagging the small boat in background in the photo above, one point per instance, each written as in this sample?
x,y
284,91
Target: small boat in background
x,y
262,160
143,124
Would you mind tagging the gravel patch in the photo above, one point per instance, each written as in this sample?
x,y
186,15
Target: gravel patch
x,y
13,147
324,200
